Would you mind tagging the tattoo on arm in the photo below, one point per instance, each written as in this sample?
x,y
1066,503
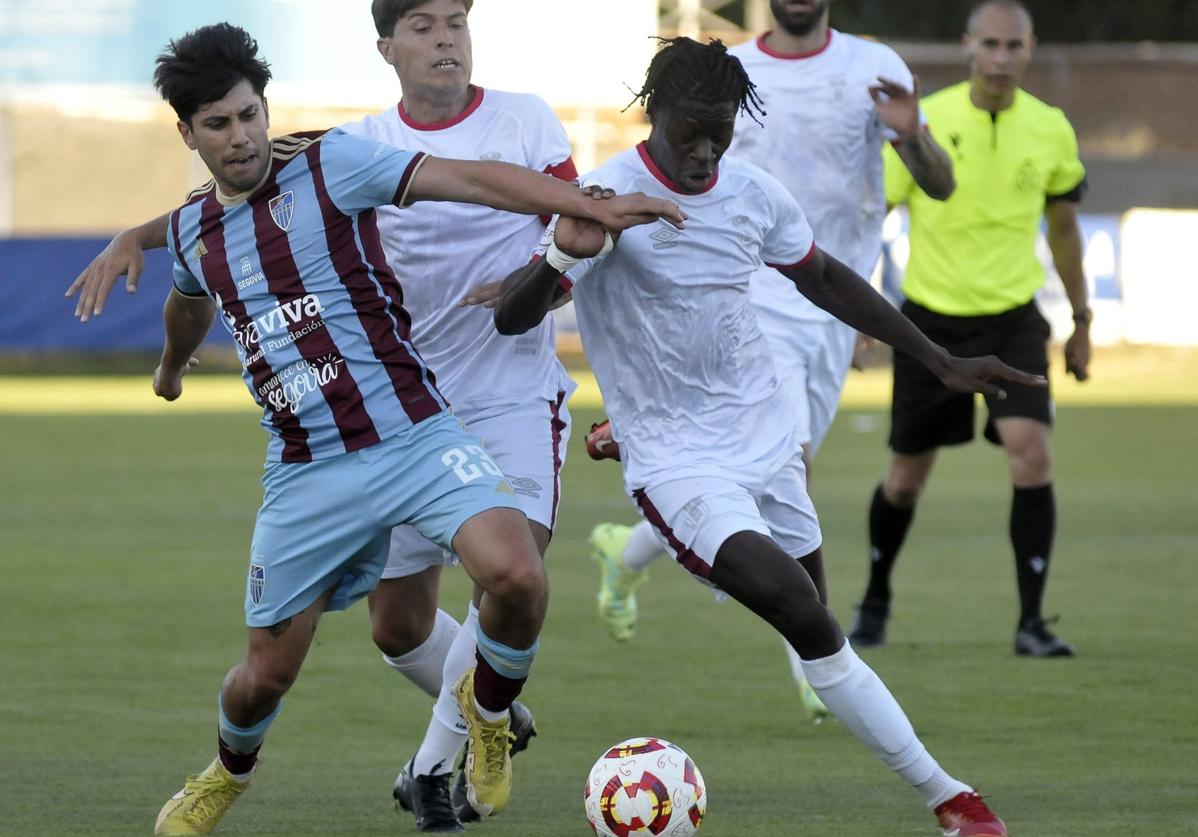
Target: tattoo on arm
x,y
929,165
280,628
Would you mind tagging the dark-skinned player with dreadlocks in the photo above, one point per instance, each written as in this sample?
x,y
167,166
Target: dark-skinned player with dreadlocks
x,y
708,452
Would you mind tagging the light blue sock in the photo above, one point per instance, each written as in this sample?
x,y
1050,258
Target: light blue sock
x,y
243,739
507,662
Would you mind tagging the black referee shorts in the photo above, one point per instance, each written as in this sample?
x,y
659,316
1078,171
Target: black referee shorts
x,y
925,414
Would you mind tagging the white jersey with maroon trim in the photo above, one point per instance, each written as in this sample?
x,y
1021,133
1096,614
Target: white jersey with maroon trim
x,y
439,251
666,323
821,136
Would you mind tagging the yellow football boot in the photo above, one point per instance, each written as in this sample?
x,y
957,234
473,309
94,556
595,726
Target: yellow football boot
x,y
199,806
488,767
617,583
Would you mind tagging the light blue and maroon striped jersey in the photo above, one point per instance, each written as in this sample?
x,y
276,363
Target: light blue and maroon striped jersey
x,y
316,314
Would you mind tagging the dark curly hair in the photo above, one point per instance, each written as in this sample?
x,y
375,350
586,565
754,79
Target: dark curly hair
x,y
204,65
687,69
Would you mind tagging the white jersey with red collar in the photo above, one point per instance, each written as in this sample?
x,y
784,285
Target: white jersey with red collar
x,y
666,323
439,250
821,136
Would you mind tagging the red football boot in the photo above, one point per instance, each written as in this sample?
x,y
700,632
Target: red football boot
x,y
600,444
966,815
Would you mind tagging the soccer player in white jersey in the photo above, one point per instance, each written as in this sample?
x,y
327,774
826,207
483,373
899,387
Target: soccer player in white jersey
x,y
831,100
686,375
511,392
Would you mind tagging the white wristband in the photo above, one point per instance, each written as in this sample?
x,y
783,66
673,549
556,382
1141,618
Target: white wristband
x,y
561,262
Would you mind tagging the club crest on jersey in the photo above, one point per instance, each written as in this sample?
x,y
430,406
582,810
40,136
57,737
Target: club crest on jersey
x,y
282,209
257,583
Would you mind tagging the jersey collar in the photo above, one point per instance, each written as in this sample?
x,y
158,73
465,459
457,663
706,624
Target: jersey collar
x,y
794,56
241,197
470,108
665,181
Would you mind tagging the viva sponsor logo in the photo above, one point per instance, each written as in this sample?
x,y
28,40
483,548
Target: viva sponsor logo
x,y
281,317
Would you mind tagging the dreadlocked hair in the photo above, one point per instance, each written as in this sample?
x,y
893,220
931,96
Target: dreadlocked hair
x,y
686,69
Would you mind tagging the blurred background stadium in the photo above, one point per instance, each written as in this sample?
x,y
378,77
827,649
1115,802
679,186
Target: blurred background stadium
x,y
87,148
124,523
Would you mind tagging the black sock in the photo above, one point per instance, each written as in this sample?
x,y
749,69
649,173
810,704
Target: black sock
x,y
888,525
1033,524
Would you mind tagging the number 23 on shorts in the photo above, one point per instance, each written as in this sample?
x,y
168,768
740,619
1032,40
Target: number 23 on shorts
x,y
470,463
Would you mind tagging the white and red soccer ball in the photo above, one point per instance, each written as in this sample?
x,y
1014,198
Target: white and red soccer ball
x,y
645,787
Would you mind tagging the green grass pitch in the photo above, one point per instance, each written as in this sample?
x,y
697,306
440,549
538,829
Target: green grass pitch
x,y
123,543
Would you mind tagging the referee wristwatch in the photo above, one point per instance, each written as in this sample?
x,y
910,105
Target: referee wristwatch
x,y
1083,317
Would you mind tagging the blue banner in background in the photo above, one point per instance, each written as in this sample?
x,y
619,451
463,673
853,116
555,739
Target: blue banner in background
x,y
35,317
116,41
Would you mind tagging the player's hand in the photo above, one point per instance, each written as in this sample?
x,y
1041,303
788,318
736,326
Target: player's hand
x,y
600,444
897,107
862,350
977,374
486,295
579,237
619,212
168,384
1077,353
122,256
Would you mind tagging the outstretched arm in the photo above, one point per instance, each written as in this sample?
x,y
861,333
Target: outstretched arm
x,y
517,189
122,256
849,298
186,320
529,293
1065,241
929,164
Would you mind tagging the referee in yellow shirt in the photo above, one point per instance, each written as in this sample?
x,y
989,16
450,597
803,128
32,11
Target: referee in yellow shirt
x,y
969,285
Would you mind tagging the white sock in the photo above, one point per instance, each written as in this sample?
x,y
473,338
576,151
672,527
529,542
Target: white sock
x,y
643,547
796,664
459,659
438,751
489,714
860,701
423,665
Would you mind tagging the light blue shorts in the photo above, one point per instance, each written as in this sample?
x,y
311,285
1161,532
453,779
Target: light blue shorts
x,y
327,524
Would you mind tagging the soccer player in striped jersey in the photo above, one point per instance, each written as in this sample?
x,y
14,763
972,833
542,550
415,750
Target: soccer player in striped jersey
x,y
694,401
509,391
284,245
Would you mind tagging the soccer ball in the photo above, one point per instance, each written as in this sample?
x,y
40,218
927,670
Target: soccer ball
x,y
645,786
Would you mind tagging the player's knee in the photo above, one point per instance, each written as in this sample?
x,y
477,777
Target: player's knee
x,y
811,628
268,683
1031,465
903,490
522,580
906,478
400,631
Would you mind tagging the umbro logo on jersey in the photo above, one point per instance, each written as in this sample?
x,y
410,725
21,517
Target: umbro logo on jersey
x,y
666,238
201,250
282,209
744,229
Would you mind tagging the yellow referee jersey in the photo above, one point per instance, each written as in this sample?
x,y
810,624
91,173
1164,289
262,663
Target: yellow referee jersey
x,y
975,253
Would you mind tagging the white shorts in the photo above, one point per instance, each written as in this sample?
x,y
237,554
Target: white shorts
x,y
812,360
528,442
696,515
